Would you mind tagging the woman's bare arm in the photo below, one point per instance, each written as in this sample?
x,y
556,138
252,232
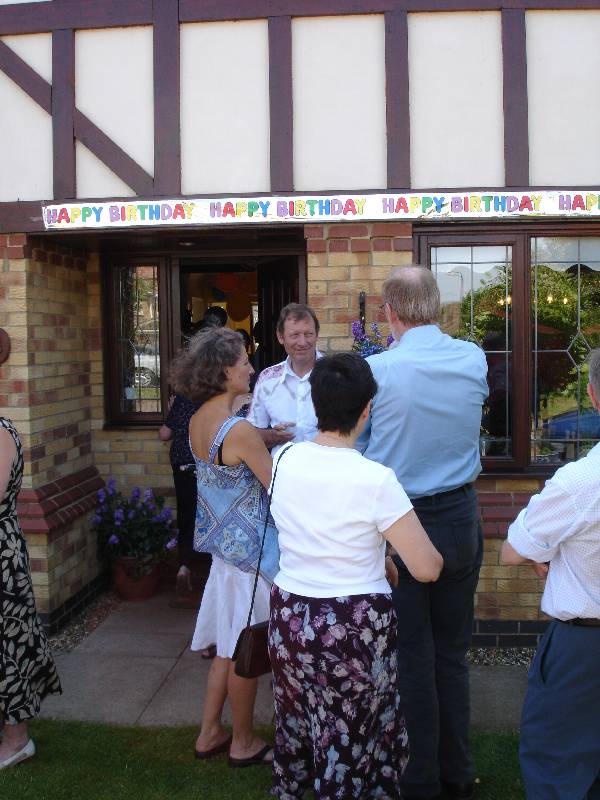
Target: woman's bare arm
x,y
409,540
244,443
8,452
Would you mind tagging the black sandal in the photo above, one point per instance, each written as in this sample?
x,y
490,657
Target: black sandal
x,y
257,758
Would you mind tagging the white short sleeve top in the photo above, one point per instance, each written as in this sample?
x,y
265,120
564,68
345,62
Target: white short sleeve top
x,y
330,506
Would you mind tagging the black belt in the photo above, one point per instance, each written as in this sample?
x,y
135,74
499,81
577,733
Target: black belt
x,y
584,622
441,495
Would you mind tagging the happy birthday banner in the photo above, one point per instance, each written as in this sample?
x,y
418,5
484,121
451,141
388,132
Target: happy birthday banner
x,y
321,208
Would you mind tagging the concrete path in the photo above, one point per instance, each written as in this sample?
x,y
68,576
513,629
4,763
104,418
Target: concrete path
x,y
137,668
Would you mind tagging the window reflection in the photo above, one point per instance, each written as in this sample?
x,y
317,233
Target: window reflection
x,y
565,298
476,292
138,352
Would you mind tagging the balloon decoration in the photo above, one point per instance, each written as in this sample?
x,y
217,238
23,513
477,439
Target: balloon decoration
x,y
238,307
228,281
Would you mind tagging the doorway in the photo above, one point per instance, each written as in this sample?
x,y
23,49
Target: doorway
x,y
245,294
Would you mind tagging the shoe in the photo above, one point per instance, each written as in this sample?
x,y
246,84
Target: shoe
x,y
214,751
208,652
257,758
28,751
459,791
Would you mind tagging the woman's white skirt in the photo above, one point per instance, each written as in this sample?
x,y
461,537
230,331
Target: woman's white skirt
x,y
225,604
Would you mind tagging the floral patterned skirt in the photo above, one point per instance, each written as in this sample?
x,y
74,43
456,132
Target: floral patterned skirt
x,y
339,726
27,670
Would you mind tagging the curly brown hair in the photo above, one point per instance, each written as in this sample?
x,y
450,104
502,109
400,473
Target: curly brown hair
x,y
198,372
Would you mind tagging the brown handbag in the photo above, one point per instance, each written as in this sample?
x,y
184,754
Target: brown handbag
x,y
251,654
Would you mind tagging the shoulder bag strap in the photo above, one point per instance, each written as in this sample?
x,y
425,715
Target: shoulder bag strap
x,y
262,544
220,436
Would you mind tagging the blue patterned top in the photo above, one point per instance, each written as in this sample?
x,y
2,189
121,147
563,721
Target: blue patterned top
x,y
231,511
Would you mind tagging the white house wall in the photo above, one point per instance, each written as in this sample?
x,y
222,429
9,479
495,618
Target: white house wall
x,y
35,49
26,135
114,87
339,102
225,107
563,64
456,110
95,179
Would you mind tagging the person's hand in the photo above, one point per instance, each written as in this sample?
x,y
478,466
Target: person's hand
x,y
279,434
541,570
391,572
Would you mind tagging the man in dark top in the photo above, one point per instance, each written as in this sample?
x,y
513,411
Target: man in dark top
x,y
176,430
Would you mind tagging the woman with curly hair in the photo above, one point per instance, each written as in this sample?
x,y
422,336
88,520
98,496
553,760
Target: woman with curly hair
x,y
229,454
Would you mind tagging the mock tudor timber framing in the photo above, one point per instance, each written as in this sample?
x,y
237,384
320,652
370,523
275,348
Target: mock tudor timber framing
x,y
63,17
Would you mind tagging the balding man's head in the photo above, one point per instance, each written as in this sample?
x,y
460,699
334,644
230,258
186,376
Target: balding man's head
x,y
594,372
413,294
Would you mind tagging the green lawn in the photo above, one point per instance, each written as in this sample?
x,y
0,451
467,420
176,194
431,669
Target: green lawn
x,y
79,761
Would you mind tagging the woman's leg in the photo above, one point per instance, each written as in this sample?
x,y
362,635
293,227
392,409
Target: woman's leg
x,y
212,733
14,738
242,694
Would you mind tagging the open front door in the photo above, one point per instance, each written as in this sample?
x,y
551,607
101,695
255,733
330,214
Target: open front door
x,y
280,281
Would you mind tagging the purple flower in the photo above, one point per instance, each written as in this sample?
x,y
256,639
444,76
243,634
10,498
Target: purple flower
x,y
389,339
102,496
135,494
131,514
357,330
171,544
96,519
111,486
119,516
148,496
114,539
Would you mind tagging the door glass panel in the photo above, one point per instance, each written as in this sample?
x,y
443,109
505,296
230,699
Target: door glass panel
x,y
138,349
476,292
565,314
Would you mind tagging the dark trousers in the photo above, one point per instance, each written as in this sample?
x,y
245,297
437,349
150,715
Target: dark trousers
x,y
185,495
435,622
560,726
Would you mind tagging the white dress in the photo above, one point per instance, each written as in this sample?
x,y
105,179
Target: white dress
x,y
225,604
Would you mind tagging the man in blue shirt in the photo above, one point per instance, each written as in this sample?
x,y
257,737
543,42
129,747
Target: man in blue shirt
x,y
425,421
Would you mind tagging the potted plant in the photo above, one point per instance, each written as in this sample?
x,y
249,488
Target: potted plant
x,y
134,535
368,343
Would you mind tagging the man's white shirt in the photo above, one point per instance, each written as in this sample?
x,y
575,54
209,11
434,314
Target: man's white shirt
x,y
281,396
562,525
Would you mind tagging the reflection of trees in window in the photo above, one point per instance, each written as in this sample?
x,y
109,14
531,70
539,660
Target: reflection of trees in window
x,y
477,307
565,315
137,339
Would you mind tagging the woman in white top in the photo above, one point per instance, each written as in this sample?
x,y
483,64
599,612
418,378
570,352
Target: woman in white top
x,y
332,634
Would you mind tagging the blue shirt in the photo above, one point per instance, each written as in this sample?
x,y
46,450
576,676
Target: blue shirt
x,y
426,416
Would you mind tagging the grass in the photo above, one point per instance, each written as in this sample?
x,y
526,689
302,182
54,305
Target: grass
x,y
81,761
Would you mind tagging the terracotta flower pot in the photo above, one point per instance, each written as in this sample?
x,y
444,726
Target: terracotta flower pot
x,y
130,585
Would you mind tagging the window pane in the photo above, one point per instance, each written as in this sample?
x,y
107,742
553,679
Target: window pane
x,y
476,291
565,298
138,351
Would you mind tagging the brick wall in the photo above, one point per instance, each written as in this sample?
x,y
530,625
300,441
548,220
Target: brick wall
x,y
345,259
45,388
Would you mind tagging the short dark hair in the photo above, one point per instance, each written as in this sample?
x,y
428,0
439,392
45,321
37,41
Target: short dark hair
x,y
296,311
198,372
341,386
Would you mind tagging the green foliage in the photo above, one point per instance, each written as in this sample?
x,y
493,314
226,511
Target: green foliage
x,y
104,762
